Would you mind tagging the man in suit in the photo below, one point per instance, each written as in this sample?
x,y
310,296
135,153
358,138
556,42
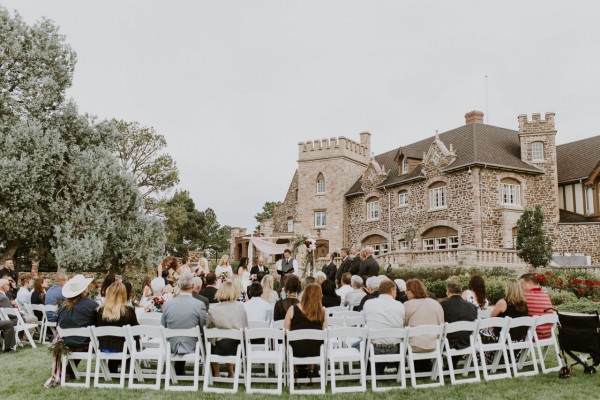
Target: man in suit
x,y
210,290
197,282
457,309
7,327
287,265
368,266
259,268
355,262
183,312
329,269
344,266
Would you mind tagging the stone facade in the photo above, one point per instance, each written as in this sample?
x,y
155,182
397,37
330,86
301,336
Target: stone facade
x,y
475,202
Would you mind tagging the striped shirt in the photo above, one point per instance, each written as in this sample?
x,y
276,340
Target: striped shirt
x,y
537,302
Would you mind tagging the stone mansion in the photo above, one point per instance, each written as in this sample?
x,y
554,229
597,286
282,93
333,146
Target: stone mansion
x,y
450,199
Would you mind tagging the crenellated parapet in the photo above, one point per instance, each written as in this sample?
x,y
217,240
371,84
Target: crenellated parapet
x,y
336,147
536,124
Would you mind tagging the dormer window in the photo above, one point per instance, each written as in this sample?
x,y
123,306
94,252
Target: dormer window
x,y
320,184
405,165
537,151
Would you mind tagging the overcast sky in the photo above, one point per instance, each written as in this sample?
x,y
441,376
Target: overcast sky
x,y
235,85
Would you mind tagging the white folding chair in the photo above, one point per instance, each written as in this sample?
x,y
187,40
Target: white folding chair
x,y
336,322
103,357
254,324
358,321
146,354
49,324
149,321
347,353
21,326
272,354
171,378
498,349
41,323
543,345
77,355
216,333
395,335
347,314
307,334
331,310
277,324
522,349
436,332
469,354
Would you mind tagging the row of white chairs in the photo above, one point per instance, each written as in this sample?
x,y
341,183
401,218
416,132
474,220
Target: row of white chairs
x,y
354,345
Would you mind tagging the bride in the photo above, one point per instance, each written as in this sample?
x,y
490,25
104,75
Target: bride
x,y
224,272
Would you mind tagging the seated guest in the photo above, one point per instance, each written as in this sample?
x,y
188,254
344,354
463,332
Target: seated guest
x,y
23,294
183,312
457,309
227,314
401,292
291,289
477,296
129,289
421,310
372,289
210,289
330,298
54,295
345,288
114,312
197,282
537,302
149,303
354,297
109,279
38,296
512,305
257,309
7,327
269,295
320,277
381,313
77,311
307,281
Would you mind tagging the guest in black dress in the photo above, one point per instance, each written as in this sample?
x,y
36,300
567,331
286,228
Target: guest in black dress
x,y
514,305
330,298
308,314
38,296
289,297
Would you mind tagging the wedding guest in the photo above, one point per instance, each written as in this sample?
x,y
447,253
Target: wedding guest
x,y
307,281
329,298
148,302
163,269
227,314
38,296
129,289
23,294
210,287
259,268
223,271
257,308
329,269
354,297
146,289
173,271
54,295
202,267
244,273
372,290
114,312
269,295
109,279
477,296
401,293
197,287
457,309
368,266
291,289
513,305
185,266
345,287
538,302
344,266
320,277
9,272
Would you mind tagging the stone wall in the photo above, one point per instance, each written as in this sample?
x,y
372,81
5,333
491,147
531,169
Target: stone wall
x,y
288,208
578,238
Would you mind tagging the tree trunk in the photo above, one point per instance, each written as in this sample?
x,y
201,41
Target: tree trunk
x,y
11,248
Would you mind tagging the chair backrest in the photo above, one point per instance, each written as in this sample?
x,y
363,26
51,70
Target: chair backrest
x,y
347,314
149,315
145,331
334,322
81,332
253,324
495,322
100,331
50,308
354,332
11,311
356,321
306,334
278,324
149,321
414,331
217,333
388,333
331,310
521,321
264,333
182,332
461,326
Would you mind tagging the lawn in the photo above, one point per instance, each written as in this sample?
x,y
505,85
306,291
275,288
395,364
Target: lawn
x,y
24,373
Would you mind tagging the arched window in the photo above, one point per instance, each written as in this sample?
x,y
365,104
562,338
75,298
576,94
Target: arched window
x,y
440,238
510,192
403,198
438,196
537,151
378,243
320,184
372,208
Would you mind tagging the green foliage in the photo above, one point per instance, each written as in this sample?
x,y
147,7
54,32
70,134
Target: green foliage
x,y
140,150
267,211
436,287
558,297
582,306
532,244
579,283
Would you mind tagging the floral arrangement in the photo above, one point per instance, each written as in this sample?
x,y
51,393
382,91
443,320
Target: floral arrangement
x,y
311,246
224,277
158,302
581,286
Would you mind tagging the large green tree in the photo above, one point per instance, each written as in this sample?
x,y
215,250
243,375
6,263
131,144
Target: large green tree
x,y
533,246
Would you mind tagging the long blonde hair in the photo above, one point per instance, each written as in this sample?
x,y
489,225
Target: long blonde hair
x,y
114,306
223,257
267,285
515,296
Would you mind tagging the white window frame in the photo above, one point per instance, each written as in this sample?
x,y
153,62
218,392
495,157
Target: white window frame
x,y
320,219
441,243
537,151
428,244
511,194
381,248
403,245
290,225
453,242
403,199
405,165
438,198
373,210
321,186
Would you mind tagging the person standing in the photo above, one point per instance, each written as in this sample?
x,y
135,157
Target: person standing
x,y
9,269
355,262
287,265
329,269
368,266
344,266
259,268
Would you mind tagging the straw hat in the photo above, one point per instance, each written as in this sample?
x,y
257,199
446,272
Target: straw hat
x,y
75,286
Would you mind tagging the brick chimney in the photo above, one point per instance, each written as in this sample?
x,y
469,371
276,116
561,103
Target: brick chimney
x,y
474,117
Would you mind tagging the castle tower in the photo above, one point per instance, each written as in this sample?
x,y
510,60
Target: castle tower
x,y
327,169
538,148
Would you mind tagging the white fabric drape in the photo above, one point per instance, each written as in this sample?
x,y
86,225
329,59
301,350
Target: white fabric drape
x,y
267,247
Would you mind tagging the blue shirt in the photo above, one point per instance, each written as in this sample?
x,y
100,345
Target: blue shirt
x,y
53,296
79,316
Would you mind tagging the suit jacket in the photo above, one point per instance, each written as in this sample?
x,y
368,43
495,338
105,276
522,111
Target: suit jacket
x,y
369,266
254,270
344,267
5,303
458,309
203,299
183,312
355,265
330,270
209,292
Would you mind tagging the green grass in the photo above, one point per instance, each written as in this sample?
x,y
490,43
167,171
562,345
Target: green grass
x,y
24,373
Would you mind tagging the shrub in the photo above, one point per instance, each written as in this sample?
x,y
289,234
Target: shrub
x,y
559,296
494,287
583,306
437,287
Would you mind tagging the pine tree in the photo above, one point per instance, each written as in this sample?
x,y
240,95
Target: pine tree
x,y
532,244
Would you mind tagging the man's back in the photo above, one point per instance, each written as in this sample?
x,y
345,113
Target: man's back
x,y
209,292
537,302
384,312
53,296
183,312
457,309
